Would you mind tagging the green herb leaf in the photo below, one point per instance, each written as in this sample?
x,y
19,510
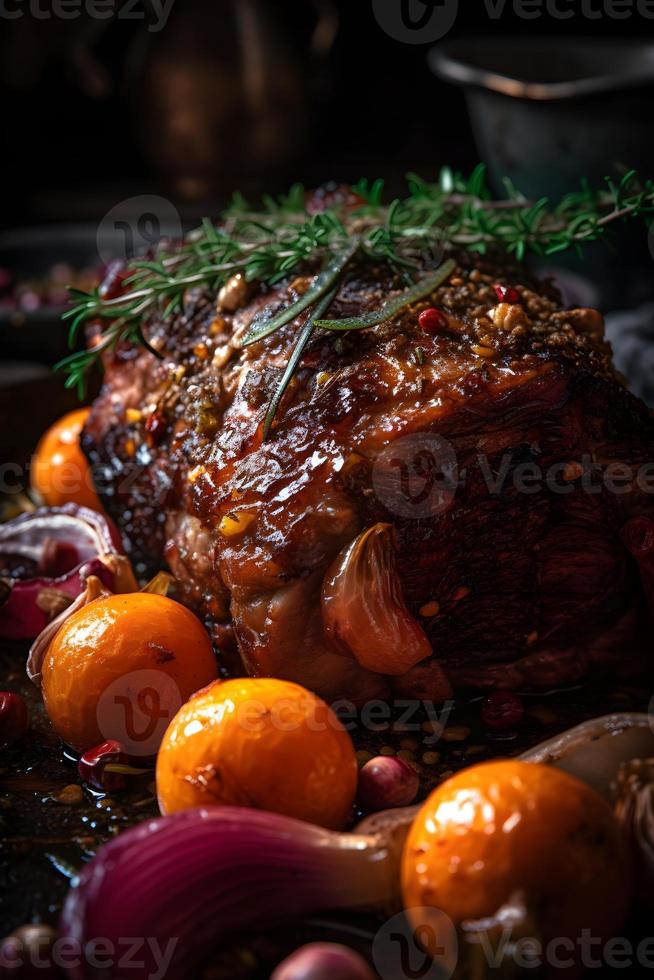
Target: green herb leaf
x,y
268,244
396,304
305,335
332,271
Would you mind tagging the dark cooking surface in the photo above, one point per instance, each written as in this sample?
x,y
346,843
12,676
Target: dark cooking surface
x,y
43,839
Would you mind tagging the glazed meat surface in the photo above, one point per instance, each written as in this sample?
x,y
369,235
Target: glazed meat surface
x,y
433,509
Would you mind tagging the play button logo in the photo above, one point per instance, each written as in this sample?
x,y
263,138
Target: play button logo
x,y
418,944
416,21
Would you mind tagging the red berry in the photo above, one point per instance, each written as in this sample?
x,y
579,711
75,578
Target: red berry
x,y
113,280
387,781
13,717
92,767
432,320
502,711
155,426
506,294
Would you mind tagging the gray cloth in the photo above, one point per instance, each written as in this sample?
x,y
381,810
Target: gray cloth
x,y
631,333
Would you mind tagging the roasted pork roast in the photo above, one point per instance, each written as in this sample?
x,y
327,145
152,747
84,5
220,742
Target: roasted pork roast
x,y
456,501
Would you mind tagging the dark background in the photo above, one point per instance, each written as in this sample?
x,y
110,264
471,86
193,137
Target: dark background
x,y
93,111
256,94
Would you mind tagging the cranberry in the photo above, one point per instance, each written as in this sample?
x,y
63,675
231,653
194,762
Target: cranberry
x,y
432,320
506,294
113,279
155,426
387,781
13,717
502,711
92,767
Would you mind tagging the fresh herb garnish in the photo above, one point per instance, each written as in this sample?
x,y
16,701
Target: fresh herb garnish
x,y
270,244
305,336
323,282
395,304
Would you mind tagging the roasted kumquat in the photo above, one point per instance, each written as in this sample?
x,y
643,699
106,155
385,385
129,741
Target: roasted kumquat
x,y
60,471
120,668
262,743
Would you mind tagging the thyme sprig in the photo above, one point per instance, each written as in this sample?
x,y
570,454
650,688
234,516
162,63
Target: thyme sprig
x,y
269,244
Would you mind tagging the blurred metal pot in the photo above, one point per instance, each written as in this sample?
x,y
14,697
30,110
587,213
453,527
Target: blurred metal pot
x,y
547,111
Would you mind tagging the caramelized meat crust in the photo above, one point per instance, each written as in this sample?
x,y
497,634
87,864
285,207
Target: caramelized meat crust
x,y
495,453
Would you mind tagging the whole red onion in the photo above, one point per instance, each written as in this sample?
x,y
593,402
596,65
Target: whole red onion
x,y
199,876
387,781
324,961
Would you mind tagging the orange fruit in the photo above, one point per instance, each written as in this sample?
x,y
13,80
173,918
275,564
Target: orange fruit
x,y
504,828
120,667
263,743
60,471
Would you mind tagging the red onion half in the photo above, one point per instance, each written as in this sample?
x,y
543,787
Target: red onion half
x,y
188,880
54,550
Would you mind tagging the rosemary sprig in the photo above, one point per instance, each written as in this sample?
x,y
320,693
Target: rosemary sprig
x,y
268,245
330,274
307,330
396,304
